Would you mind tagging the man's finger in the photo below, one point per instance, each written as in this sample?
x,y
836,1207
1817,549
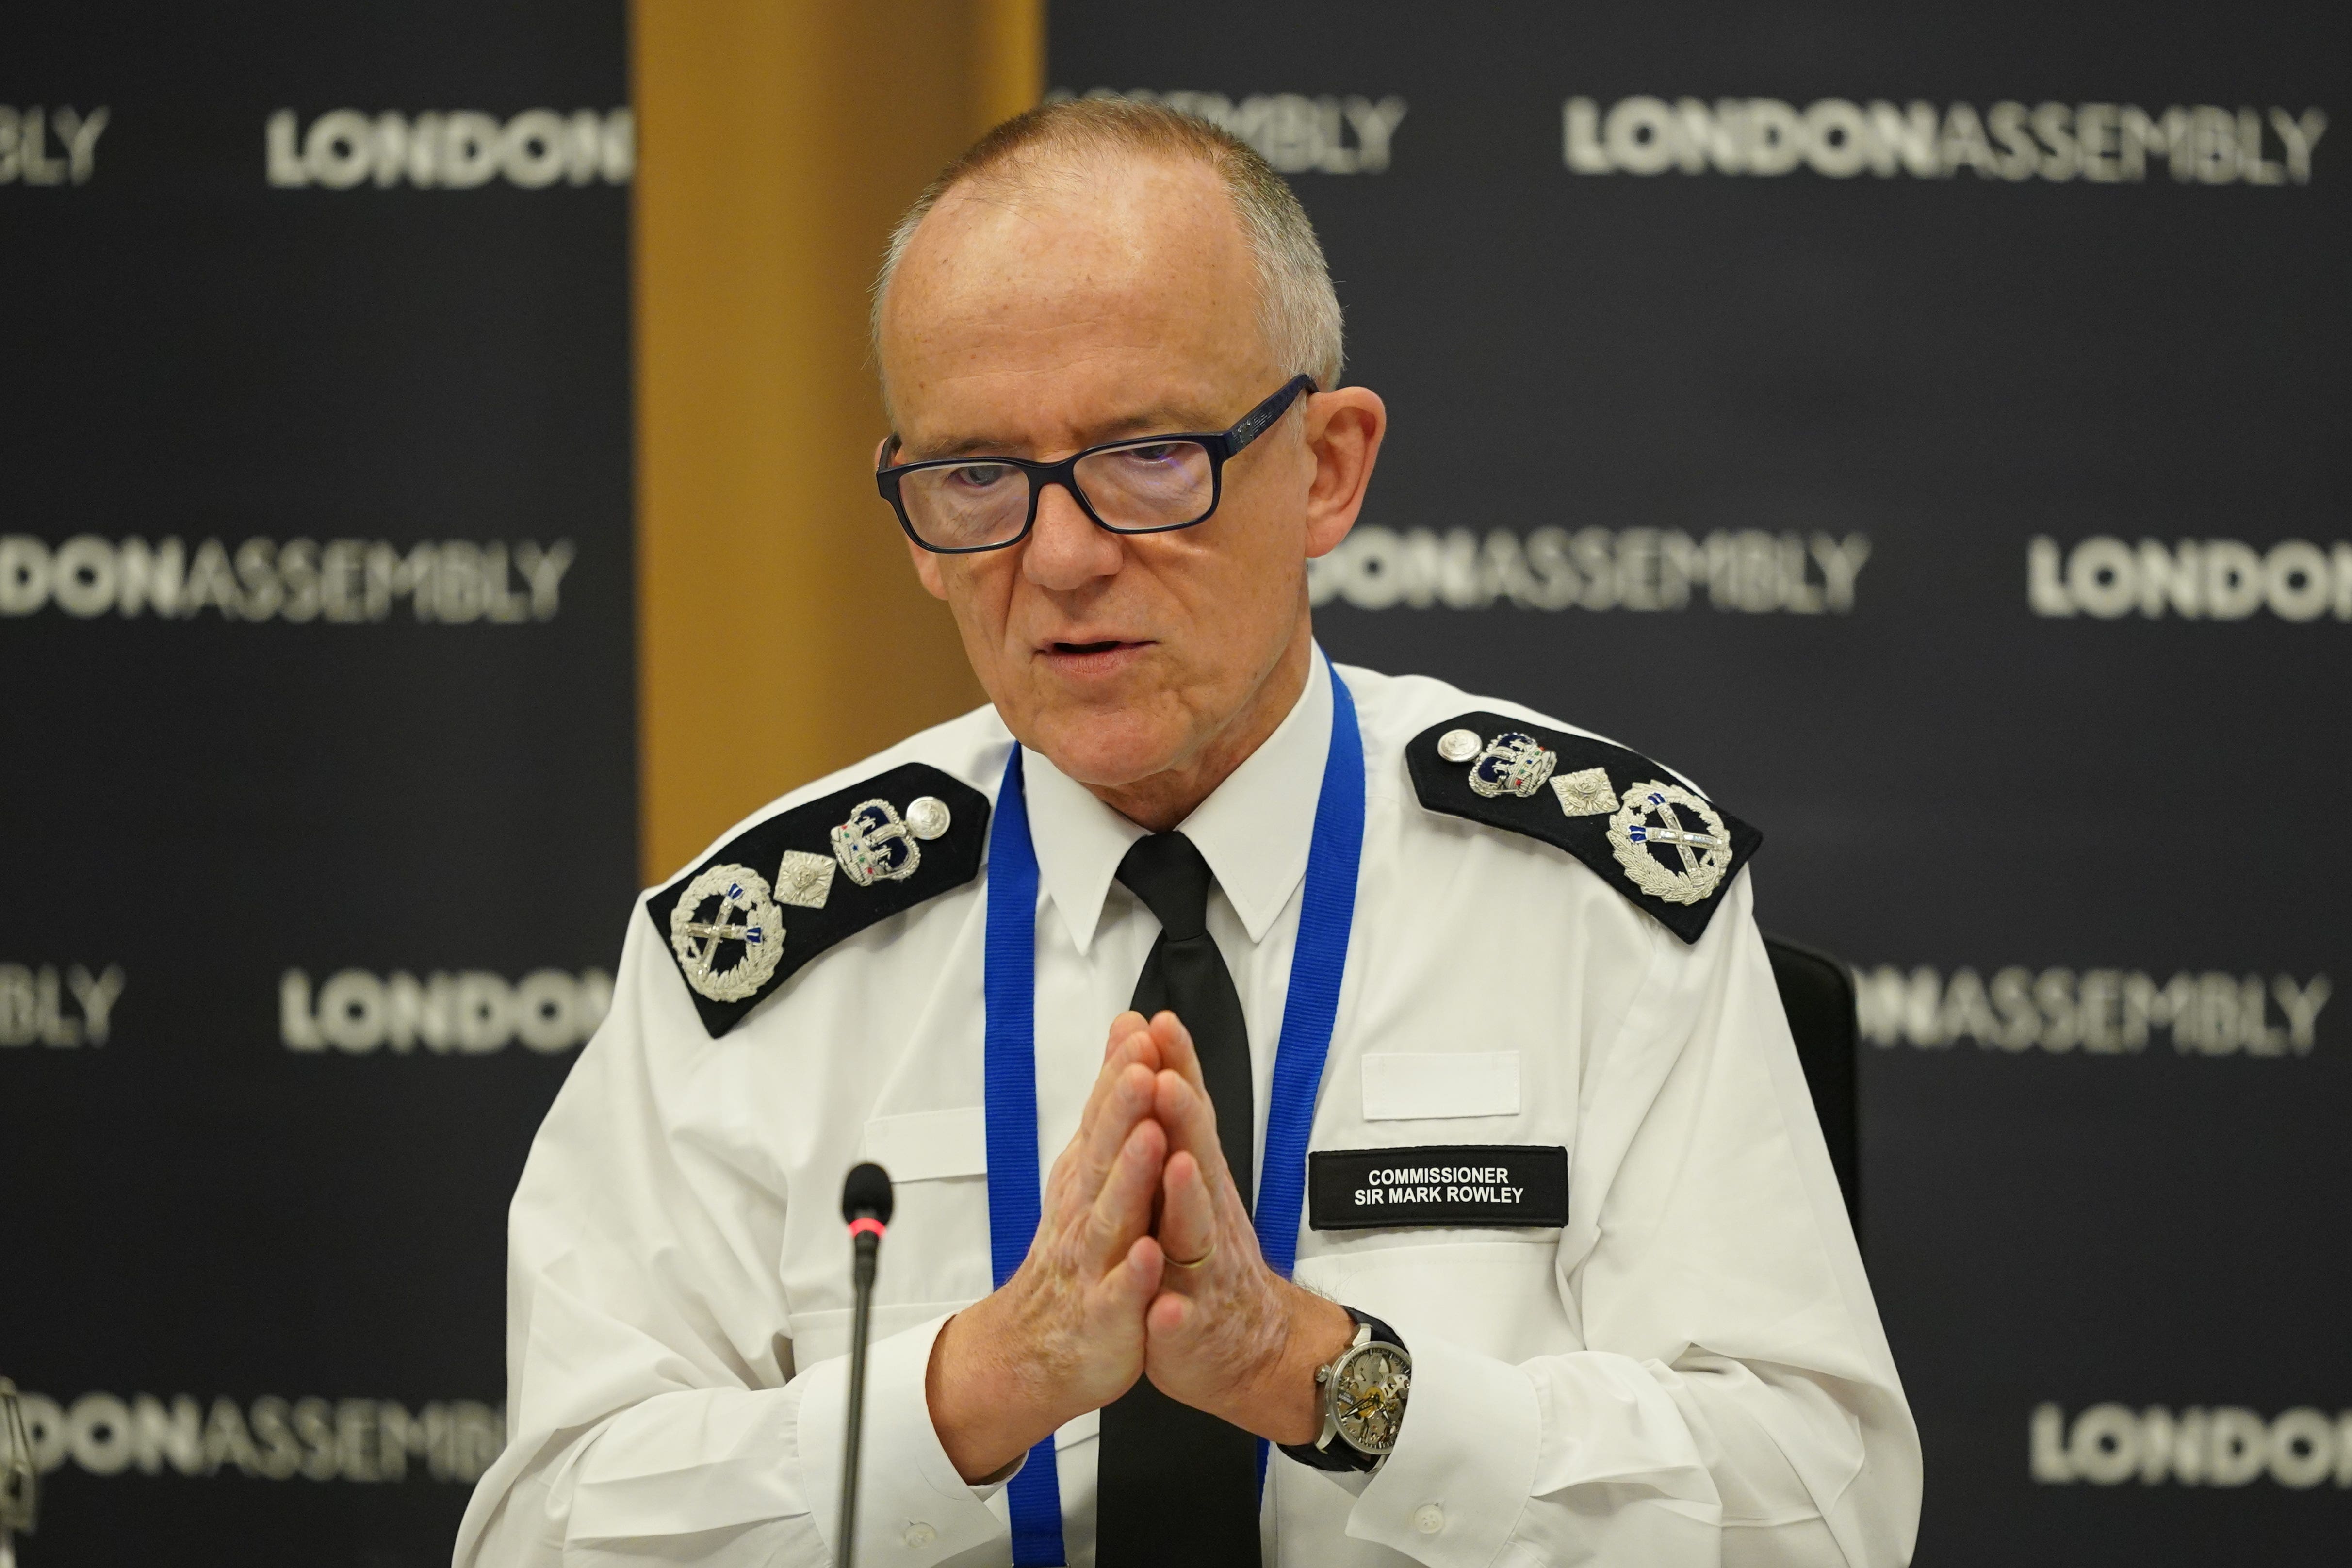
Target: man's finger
x,y
1128,1023
1124,1051
1135,1045
1188,1218
1184,1109
1126,1292
1126,1095
1080,1166
1168,1315
1177,1053
1121,1211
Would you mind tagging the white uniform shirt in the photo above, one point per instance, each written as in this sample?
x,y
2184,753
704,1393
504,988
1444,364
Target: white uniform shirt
x,y
1692,1372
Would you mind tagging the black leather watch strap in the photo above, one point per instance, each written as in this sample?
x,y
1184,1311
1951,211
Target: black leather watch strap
x,y
1381,1331
1339,1454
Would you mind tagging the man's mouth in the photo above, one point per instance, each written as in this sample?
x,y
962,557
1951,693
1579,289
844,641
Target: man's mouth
x,y
1091,658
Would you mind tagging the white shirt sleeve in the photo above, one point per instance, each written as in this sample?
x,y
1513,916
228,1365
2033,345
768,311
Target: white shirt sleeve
x,y
653,1409
1735,1402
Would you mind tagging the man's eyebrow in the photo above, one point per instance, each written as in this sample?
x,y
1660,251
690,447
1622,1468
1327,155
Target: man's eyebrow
x,y
1162,420
968,446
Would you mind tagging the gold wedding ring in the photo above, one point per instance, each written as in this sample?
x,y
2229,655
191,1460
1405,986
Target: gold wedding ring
x,y
1197,1262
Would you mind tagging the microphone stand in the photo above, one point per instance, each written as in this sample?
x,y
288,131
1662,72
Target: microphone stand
x,y
865,1203
868,1244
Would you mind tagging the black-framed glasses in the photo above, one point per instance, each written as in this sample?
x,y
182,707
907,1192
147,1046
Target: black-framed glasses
x,y
1148,484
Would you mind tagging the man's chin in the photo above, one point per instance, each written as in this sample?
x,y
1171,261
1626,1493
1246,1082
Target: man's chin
x,y
1088,756
1106,744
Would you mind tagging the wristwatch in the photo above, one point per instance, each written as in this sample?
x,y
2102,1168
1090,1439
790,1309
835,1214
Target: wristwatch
x,y
1364,1391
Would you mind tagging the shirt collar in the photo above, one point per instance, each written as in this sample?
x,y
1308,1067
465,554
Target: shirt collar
x,y
1254,830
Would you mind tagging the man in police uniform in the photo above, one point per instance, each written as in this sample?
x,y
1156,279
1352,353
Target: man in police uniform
x,y
1464,1157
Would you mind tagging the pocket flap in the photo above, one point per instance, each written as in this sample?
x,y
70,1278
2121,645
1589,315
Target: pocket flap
x,y
1401,1086
926,1145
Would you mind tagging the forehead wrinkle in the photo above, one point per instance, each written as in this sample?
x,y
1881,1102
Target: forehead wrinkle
x,y
1135,406
1110,228
1065,294
1022,279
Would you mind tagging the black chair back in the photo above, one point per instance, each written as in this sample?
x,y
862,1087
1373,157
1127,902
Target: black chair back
x,y
1817,993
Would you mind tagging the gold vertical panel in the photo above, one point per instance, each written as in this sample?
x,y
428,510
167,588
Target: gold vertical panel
x,y
781,632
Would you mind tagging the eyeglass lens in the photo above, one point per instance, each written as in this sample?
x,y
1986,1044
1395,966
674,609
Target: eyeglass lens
x,y
1152,484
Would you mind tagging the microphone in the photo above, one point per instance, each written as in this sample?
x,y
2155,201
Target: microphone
x,y
866,1207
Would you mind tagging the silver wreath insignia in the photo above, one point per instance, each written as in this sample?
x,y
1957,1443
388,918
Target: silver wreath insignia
x,y
696,938
1514,762
875,845
1704,856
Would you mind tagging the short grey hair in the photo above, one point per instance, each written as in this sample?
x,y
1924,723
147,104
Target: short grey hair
x,y
1298,311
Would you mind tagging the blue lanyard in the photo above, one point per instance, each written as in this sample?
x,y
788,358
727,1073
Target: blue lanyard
x,y
1326,913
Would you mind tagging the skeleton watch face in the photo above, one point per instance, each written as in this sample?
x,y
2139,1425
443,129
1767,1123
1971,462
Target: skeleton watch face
x,y
1367,1392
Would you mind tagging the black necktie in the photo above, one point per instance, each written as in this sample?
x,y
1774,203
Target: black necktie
x,y
1177,1488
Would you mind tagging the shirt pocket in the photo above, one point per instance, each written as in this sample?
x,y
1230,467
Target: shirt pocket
x,y
930,1145
937,1250
1496,1297
1440,1085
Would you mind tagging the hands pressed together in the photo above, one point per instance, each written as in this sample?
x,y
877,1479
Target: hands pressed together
x,y
1144,1264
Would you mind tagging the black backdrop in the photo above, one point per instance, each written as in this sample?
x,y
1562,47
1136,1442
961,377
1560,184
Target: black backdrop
x,y
1648,423
315,842
1974,526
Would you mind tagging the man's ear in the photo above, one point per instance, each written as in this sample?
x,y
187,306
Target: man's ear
x,y
1344,428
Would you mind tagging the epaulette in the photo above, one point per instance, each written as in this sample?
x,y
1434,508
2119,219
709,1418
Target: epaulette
x,y
766,902
1658,843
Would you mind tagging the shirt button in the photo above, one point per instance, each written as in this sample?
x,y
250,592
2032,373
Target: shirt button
x,y
920,1534
1428,1518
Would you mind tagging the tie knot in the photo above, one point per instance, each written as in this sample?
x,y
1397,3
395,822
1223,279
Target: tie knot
x,y
1167,872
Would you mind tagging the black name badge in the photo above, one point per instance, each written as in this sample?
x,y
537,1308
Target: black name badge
x,y
1511,1185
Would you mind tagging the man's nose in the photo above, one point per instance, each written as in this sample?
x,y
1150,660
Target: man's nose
x,y
1066,550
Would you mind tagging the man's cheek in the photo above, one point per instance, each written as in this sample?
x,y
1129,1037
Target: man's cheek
x,y
982,602
927,570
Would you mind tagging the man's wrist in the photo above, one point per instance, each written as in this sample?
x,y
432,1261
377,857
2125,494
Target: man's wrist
x,y
1318,1329
985,1412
